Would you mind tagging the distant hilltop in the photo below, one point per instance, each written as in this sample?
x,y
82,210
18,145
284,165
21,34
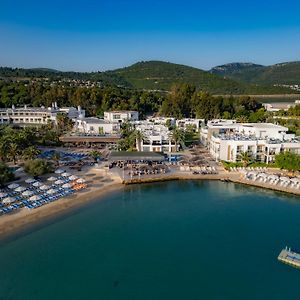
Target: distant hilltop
x,y
232,78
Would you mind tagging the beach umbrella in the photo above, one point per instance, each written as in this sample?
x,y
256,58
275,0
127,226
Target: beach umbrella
x,y
8,200
20,189
80,180
67,186
27,193
66,174
44,187
51,178
37,184
59,171
13,186
52,191
35,198
2,195
263,175
58,182
73,177
294,180
273,177
284,178
30,180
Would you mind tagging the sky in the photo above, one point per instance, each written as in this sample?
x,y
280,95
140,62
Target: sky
x,y
101,35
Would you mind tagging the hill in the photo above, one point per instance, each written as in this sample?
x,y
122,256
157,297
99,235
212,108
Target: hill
x,y
282,74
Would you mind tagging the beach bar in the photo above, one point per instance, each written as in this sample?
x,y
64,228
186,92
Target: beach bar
x,y
289,257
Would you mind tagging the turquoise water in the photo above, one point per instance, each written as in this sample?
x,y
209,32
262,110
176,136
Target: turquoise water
x,y
177,240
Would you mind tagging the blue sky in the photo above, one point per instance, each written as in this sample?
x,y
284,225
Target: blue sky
x,y
99,35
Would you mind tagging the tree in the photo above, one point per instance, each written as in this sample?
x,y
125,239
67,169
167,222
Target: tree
x,y
31,152
288,161
95,155
56,157
6,174
37,167
177,135
64,123
13,152
138,136
245,158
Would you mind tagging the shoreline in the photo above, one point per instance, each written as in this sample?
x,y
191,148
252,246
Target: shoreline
x,y
24,220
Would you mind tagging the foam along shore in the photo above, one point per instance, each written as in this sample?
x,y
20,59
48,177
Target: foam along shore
x,y
98,187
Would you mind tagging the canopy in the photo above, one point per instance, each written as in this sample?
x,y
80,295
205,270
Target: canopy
x,y
264,175
30,180
35,198
58,182
37,184
294,180
80,180
273,177
44,187
27,193
8,200
73,177
66,174
59,171
67,186
284,178
2,195
52,191
13,186
20,189
52,178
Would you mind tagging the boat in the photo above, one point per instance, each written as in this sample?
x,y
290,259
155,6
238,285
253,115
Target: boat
x,y
289,257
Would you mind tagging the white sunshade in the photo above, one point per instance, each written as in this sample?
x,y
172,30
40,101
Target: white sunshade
x,y
80,180
66,174
59,171
8,200
294,180
13,186
273,177
44,187
20,189
35,198
58,182
30,180
27,193
52,191
264,175
67,186
283,178
2,195
37,184
73,177
52,178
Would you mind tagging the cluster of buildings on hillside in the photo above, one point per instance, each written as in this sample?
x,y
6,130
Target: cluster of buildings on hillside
x,y
225,139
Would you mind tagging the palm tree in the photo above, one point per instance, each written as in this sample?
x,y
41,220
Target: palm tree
x,y
13,151
31,152
95,154
3,150
139,136
245,158
177,135
56,157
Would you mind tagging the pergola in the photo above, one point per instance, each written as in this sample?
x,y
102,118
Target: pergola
x,y
136,156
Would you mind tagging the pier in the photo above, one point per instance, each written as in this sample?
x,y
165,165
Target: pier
x,y
289,257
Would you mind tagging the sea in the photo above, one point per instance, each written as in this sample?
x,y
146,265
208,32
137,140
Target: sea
x,y
174,240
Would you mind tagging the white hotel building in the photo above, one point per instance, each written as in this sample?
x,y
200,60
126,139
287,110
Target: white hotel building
x,y
32,116
96,126
121,116
262,141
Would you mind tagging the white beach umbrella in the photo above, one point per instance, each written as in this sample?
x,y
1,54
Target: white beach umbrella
x,y
44,187
2,195
58,182
13,186
30,180
67,186
273,177
73,177
59,171
66,174
263,175
27,193
52,191
35,198
283,178
80,180
294,180
20,189
8,200
37,184
52,178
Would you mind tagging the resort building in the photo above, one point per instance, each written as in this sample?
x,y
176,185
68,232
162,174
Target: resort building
x,y
155,138
195,124
28,116
96,126
262,141
121,116
162,120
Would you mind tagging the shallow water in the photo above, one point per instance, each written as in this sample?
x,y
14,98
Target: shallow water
x,y
175,240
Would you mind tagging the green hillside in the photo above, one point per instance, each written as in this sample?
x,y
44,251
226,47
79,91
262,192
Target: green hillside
x,y
283,73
